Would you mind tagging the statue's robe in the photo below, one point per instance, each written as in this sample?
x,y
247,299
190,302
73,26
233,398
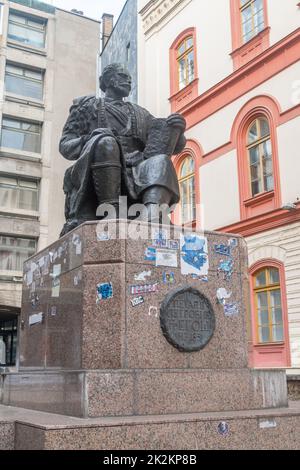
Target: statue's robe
x,y
91,119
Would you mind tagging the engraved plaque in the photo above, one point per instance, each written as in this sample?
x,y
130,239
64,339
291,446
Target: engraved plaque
x,y
187,319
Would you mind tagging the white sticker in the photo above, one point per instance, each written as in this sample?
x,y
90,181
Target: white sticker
x,y
153,311
137,301
166,258
56,270
78,249
223,295
268,424
28,278
36,318
142,276
55,287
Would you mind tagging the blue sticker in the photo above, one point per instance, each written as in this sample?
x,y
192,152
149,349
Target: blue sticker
x,y
173,244
223,428
150,254
231,310
104,291
160,238
223,250
226,267
194,255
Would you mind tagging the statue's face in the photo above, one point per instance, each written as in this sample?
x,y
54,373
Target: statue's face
x,y
121,83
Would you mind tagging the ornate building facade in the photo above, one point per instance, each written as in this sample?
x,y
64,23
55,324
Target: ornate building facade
x,y
232,68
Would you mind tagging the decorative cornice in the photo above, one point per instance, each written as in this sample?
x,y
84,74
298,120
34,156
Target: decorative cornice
x,y
155,11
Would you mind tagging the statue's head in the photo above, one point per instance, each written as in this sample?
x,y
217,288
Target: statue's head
x,y
117,78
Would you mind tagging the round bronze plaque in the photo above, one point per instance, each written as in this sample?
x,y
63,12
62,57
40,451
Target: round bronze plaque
x,y
187,319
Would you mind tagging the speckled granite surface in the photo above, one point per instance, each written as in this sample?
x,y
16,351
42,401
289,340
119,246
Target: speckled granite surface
x,y
257,429
7,435
77,331
86,354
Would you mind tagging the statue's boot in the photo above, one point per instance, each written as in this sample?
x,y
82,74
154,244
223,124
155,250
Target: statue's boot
x,y
156,199
107,184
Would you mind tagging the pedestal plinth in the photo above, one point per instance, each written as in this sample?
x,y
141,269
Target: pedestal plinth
x,y
103,333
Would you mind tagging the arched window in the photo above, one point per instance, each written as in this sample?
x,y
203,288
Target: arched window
x,y
185,62
259,148
187,190
183,69
268,305
252,18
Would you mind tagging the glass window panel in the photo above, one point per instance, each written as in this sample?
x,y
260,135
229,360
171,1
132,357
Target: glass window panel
x,y
262,300
189,43
17,18
14,69
23,86
260,279
277,316
274,276
33,74
264,128
14,251
264,334
253,133
25,35
190,64
187,167
181,49
278,333
275,296
8,181
11,123
255,172
263,317
182,73
254,155
21,140
8,197
28,200
256,187
268,166
269,183
28,184
267,148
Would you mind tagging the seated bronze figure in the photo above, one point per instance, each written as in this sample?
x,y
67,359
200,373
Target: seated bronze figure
x,y
120,150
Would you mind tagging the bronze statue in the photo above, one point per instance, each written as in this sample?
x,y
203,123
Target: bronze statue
x,y
120,149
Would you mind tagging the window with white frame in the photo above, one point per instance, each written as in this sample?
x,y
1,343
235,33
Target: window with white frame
x,y
252,18
21,135
24,81
18,193
28,30
14,251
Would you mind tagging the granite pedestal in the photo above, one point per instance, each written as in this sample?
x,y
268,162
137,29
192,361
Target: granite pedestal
x,y
91,342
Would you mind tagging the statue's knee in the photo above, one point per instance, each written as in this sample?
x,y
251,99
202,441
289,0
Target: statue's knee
x,y
107,149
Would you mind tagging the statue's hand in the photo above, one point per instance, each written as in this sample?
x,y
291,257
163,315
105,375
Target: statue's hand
x,y
178,121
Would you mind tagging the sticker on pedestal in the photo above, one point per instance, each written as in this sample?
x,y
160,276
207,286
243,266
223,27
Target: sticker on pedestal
x,y
194,255
168,278
150,254
223,428
146,289
142,276
104,291
137,301
166,258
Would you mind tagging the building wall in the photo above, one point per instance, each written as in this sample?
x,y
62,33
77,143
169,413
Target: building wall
x,y
70,64
283,243
116,50
229,79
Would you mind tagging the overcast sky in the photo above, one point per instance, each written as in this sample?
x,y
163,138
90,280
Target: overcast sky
x,y
91,8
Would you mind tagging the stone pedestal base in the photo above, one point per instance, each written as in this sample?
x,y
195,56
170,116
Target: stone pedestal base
x,y
145,392
94,345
